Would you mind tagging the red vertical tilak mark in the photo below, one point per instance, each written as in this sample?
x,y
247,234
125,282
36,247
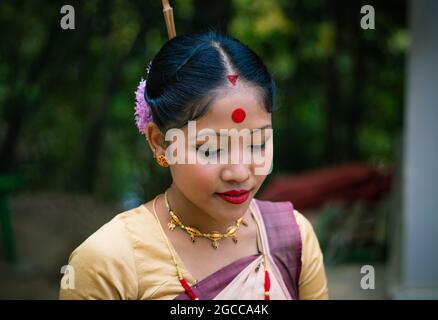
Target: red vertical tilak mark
x,y
233,79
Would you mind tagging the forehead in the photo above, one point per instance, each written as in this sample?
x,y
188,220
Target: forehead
x,y
220,113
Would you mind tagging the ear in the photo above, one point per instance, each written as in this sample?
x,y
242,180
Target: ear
x,y
156,139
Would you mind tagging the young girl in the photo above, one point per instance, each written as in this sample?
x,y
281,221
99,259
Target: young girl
x,y
206,236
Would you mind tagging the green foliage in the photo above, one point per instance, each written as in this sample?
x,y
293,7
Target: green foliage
x,y
339,96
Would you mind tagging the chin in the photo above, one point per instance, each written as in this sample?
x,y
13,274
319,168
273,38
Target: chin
x,y
230,211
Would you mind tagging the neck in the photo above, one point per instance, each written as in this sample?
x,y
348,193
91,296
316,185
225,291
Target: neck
x,y
191,215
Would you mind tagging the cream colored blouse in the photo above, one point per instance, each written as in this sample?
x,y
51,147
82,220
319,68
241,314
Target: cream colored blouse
x,y
127,258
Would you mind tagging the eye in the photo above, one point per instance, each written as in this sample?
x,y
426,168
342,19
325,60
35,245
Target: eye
x,y
206,151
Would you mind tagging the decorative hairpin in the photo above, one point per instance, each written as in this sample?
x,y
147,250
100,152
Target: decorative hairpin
x,y
168,17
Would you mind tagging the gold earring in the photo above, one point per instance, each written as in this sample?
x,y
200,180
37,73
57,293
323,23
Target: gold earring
x,y
162,161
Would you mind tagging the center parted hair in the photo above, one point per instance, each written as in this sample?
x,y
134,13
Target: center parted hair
x,y
188,71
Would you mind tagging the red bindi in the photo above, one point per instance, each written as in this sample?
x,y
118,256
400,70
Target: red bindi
x,y
233,78
238,115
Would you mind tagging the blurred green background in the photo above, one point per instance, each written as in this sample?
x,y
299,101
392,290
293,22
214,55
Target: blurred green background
x,y
66,97
67,130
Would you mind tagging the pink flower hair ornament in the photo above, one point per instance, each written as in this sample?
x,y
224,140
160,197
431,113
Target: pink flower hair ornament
x,y
143,114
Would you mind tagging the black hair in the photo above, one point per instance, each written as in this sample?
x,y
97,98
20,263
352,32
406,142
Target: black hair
x,y
188,69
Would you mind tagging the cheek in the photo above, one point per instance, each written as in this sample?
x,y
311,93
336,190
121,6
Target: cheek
x,y
195,177
259,179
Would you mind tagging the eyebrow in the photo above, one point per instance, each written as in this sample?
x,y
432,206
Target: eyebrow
x,y
268,126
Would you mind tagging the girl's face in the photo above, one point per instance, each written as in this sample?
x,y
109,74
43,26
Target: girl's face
x,y
200,183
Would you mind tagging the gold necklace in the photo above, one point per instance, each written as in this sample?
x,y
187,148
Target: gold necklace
x,y
213,236
179,269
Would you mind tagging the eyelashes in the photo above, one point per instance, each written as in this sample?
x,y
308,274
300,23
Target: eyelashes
x,y
207,152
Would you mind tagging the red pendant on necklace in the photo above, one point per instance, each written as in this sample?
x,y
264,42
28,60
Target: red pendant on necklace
x,y
238,115
233,79
267,286
187,288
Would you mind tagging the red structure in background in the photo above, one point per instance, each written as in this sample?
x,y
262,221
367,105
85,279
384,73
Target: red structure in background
x,y
347,183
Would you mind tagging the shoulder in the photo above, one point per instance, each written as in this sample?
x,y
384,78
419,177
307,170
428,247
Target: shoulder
x,y
297,232
109,240
104,264
312,282
305,226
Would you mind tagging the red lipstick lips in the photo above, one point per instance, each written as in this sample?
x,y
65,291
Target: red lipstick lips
x,y
235,196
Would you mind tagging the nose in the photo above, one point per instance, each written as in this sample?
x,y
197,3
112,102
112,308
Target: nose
x,y
236,173
238,168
